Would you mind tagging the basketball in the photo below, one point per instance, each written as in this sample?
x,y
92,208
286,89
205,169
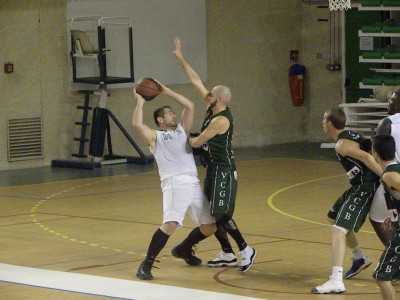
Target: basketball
x,y
148,88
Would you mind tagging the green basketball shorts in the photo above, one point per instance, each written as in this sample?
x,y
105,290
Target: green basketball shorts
x,y
352,208
388,267
220,187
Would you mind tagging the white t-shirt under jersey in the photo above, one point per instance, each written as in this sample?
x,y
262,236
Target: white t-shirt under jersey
x,y
395,132
378,211
173,153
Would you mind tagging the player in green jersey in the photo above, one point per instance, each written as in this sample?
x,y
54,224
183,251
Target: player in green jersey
x,y
220,184
349,212
387,126
388,268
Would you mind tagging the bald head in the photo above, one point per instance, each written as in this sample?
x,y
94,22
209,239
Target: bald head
x,y
394,103
224,92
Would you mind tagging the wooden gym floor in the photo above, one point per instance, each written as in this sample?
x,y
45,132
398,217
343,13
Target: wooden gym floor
x,y
59,225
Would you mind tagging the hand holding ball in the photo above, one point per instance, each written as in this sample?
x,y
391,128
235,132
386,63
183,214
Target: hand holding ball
x,y
148,88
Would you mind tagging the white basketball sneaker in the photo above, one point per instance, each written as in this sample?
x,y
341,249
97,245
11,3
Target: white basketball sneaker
x,y
248,256
223,259
330,287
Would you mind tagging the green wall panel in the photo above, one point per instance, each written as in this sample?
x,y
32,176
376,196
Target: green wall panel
x,y
356,71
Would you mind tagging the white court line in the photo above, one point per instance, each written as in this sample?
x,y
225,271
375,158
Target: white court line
x,y
104,286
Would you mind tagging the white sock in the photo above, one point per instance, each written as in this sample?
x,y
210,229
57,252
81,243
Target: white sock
x,y
357,253
337,273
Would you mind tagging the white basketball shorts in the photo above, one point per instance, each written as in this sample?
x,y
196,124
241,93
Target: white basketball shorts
x,y
181,194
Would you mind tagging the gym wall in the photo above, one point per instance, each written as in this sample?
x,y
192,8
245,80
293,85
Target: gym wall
x,y
154,24
248,45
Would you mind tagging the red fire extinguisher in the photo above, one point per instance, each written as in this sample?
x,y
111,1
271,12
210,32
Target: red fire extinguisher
x,y
297,73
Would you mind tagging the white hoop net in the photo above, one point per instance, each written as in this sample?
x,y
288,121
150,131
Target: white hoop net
x,y
335,5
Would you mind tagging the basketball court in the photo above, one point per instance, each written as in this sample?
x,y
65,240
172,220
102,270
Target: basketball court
x,y
84,237
82,233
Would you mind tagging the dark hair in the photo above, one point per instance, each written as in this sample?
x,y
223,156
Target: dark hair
x,y
337,117
385,147
159,113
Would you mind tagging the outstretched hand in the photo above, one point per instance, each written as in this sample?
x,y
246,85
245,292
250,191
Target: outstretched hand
x,y
161,87
177,52
137,96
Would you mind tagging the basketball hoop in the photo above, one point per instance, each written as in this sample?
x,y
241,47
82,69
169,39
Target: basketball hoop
x,y
335,5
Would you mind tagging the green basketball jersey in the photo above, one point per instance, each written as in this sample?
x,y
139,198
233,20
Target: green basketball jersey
x,y
218,150
357,172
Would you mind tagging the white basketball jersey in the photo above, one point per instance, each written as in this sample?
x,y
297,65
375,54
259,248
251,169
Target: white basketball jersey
x,y
395,132
173,153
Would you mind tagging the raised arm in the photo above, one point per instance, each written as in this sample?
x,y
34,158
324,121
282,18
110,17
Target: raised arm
x,y
187,117
190,72
349,148
148,135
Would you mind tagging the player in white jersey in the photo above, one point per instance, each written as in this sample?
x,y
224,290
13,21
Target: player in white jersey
x,y
179,182
395,124
387,126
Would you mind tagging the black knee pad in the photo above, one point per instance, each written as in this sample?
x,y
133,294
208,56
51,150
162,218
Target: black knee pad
x,y
222,219
332,214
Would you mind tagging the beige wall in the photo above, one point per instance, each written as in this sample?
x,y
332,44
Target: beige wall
x,y
324,87
248,45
